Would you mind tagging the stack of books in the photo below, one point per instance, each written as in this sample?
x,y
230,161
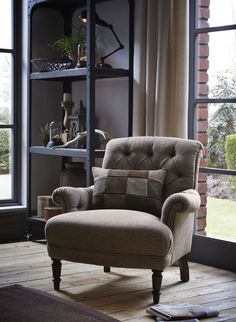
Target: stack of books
x,y
185,312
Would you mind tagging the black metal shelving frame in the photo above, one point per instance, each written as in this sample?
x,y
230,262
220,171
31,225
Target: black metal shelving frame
x,y
90,74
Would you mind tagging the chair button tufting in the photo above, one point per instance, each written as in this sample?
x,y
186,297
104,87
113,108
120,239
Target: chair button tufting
x,y
126,153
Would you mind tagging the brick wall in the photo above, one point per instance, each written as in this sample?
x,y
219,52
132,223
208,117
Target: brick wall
x,y
202,47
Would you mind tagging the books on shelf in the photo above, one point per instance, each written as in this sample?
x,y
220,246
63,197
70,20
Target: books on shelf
x,y
185,311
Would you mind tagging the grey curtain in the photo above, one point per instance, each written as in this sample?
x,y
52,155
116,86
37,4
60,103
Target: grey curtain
x,y
161,68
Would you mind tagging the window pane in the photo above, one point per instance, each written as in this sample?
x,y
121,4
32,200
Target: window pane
x,y
222,64
6,24
216,129
222,12
5,88
216,66
6,163
221,207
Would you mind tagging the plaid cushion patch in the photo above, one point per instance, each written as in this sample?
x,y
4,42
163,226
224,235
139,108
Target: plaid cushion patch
x,y
128,189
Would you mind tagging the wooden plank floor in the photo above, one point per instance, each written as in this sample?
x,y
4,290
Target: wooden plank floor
x,y
123,293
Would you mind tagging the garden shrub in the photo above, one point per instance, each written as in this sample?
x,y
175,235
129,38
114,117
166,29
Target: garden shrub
x,y
230,154
4,152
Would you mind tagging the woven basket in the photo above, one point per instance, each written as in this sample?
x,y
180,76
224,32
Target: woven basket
x,y
50,64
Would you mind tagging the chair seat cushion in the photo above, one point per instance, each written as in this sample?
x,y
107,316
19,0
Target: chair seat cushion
x,y
128,235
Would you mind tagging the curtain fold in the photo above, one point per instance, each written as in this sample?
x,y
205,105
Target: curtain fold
x,y
161,68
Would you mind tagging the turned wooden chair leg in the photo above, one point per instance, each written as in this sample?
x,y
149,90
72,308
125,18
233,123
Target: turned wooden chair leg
x,y
156,285
184,269
56,273
107,269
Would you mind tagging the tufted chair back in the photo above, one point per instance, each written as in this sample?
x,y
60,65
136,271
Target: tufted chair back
x,y
179,157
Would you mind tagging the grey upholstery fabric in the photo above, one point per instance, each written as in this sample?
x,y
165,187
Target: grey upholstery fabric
x,y
129,238
111,237
179,157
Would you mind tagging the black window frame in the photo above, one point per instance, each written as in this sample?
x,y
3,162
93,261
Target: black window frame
x,y
16,108
206,250
193,101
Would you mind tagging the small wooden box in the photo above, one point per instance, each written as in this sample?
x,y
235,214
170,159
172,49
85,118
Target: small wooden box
x,y
49,212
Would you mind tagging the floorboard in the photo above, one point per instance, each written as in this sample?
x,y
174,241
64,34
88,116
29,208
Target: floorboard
x,y
123,293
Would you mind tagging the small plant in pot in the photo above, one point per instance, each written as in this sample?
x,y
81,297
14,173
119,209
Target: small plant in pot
x,y
44,134
67,46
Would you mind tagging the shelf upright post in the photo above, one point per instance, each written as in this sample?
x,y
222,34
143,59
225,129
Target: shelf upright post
x,y
90,93
31,3
131,68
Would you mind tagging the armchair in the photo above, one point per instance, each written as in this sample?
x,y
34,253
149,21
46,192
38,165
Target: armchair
x,y
139,213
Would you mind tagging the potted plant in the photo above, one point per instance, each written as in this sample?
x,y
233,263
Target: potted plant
x,y
67,46
44,134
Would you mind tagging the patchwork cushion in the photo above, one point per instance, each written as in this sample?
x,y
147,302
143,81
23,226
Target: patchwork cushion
x,y
128,189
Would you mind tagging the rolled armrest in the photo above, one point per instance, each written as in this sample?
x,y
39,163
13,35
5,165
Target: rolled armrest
x,y
187,201
178,214
73,199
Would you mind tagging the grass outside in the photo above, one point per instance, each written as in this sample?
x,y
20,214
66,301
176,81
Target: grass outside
x,y
221,218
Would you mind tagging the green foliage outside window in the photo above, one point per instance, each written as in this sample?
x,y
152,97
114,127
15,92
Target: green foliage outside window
x,y
230,151
230,154
223,121
4,143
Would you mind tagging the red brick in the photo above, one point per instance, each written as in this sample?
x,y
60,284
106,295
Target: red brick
x,y
202,113
201,224
202,126
202,211
203,51
203,38
202,177
202,77
203,3
203,13
202,23
202,89
203,163
203,199
203,138
202,188
203,64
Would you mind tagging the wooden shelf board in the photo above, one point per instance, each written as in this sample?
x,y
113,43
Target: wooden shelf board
x,y
79,74
62,3
64,151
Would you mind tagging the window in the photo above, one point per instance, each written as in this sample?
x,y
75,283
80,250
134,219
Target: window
x,y
9,101
212,112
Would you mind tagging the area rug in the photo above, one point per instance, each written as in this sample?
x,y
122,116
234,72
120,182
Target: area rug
x,y
23,304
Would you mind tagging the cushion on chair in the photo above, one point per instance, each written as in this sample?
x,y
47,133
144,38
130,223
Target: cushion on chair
x,y
128,189
113,237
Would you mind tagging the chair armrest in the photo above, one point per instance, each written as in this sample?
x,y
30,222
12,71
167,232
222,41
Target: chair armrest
x,y
187,201
73,199
178,214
